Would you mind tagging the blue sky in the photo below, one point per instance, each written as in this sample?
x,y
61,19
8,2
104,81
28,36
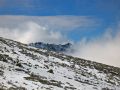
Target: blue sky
x,y
105,11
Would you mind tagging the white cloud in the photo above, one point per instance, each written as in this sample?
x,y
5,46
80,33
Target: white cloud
x,y
52,22
32,32
105,49
41,28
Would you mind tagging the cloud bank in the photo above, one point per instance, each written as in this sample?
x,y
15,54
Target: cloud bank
x,y
104,49
48,29
52,22
32,32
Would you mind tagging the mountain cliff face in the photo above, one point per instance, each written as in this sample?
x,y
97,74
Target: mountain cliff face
x,y
26,68
52,47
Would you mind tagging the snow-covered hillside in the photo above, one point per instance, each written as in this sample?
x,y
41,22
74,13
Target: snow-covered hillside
x,y
26,68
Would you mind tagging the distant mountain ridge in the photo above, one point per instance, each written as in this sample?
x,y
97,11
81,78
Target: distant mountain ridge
x,y
52,47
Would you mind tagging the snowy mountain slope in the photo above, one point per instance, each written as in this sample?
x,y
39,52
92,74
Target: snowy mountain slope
x,y
26,68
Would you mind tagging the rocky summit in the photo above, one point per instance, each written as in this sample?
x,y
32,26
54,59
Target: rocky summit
x,y
52,47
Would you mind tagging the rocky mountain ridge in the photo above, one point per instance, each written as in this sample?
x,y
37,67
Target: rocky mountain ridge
x,y
52,47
